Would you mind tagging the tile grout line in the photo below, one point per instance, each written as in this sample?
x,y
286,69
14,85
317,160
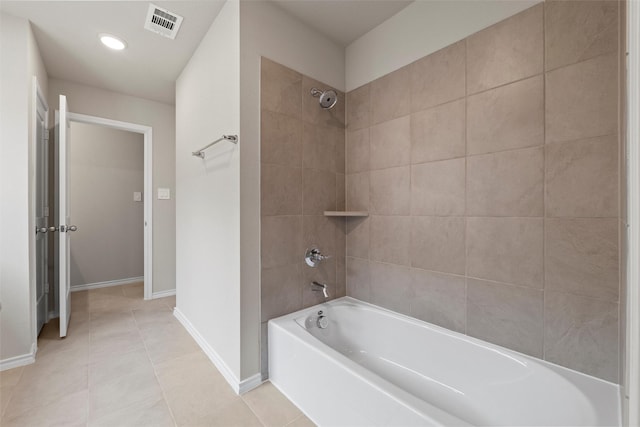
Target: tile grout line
x,y
600,55
293,421
252,411
130,312
155,372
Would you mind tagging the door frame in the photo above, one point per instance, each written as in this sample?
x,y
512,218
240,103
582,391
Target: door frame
x,y
38,99
147,132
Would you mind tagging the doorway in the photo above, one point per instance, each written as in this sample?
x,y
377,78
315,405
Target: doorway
x,y
146,197
65,219
106,181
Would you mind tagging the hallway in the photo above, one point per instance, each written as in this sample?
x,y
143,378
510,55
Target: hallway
x,y
129,362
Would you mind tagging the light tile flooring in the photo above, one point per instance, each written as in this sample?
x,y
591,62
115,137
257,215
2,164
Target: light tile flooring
x,y
128,362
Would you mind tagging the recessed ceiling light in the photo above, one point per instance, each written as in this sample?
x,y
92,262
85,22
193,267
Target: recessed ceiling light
x,y
112,41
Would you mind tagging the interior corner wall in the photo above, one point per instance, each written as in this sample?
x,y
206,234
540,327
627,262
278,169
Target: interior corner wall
x,y
266,30
208,192
20,60
161,117
421,28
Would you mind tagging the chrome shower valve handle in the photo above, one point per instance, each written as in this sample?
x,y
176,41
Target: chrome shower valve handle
x,y
313,256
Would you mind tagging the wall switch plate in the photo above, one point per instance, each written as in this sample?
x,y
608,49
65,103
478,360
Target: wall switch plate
x,y
164,193
137,196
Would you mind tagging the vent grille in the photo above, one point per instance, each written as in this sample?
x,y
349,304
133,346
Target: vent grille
x,y
162,21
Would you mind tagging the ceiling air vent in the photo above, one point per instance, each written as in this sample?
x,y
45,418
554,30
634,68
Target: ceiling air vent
x,y
162,21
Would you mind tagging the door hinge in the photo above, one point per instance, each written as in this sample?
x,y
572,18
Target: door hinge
x,y
45,135
46,211
46,288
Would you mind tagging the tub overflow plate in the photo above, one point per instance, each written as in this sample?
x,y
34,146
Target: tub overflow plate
x,y
322,321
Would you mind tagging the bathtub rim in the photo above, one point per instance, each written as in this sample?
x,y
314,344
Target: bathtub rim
x,y
289,323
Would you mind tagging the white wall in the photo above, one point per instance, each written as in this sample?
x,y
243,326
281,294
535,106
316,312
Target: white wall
x,y
267,30
161,117
19,60
218,199
106,168
208,191
421,28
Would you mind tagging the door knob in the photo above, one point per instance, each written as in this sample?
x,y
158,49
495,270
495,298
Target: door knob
x,y
41,230
72,228
52,229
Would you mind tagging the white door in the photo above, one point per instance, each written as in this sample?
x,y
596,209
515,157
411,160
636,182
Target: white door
x,y
41,209
64,216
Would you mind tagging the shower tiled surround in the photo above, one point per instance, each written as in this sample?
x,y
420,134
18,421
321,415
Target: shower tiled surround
x,y
490,170
302,175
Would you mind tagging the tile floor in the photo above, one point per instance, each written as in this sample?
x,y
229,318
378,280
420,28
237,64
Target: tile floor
x,y
128,362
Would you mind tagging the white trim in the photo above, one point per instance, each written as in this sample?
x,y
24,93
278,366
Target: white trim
x,y
250,383
37,99
163,294
101,121
106,284
148,215
147,131
17,361
239,387
632,412
53,314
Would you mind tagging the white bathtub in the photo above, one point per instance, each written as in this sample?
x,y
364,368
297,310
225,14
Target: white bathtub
x,y
371,366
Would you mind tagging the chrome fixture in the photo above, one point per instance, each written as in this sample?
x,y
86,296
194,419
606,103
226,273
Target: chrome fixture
x,y
327,98
46,229
313,256
322,322
199,153
320,287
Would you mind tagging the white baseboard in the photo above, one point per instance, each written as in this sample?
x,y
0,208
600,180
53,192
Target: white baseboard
x,y
16,361
250,383
239,387
163,294
52,315
107,284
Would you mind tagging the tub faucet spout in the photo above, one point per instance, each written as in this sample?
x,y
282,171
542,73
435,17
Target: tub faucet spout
x,y
320,287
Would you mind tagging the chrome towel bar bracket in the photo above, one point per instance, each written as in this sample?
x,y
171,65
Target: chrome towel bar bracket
x,y
232,138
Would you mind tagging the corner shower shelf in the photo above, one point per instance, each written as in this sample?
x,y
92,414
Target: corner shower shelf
x,y
346,213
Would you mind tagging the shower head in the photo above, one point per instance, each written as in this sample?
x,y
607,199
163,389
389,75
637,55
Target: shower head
x,y
327,98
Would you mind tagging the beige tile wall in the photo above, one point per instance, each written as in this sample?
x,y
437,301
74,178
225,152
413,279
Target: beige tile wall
x,y
302,175
490,170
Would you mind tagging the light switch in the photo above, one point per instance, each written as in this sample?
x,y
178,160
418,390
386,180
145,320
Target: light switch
x,y
164,193
137,196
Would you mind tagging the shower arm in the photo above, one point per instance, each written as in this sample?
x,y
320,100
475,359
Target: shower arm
x,y
315,92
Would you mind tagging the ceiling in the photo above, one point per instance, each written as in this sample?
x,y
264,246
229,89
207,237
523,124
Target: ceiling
x,y
343,21
67,35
